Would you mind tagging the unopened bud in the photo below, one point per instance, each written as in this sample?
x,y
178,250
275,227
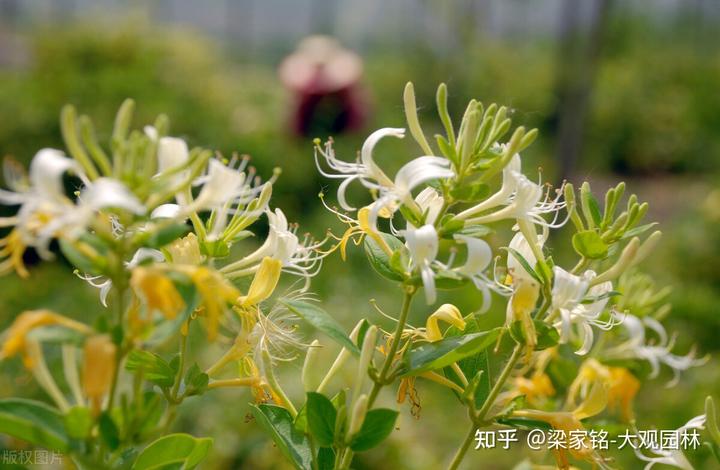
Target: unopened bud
x,y
98,367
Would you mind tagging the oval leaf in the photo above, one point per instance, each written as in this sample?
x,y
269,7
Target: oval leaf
x,y
321,416
433,356
278,422
34,422
378,425
181,451
321,320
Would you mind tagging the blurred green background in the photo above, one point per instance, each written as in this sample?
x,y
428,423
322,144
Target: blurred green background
x,y
619,91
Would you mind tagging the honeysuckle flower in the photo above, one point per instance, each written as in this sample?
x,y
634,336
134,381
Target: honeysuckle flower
x,y
430,203
526,202
157,291
656,352
98,365
667,455
536,389
185,250
570,422
16,336
391,192
520,245
447,313
356,231
423,243
624,386
216,293
12,250
264,282
302,258
503,196
479,256
166,211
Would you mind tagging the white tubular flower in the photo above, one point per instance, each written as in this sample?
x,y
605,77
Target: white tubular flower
x,y
526,202
365,169
656,352
300,258
430,203
411,175
226,190
172,153
479,256
104,285
107,193
503,196
568,294
671,454
423,245
166,211
515,268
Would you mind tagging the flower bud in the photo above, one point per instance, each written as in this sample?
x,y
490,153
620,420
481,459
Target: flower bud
x,y
98,368
358,415
310,361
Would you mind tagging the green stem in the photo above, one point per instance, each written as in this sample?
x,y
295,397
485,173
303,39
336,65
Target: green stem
x,y
120,304
402,320
479,419
460,454
181,367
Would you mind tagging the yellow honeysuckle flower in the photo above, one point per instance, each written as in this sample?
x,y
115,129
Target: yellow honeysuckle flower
x,y
536,389
12,248
16,335
570,421
520,307
623,388
216,292
157,291
447,313
264,282
359,228
100,357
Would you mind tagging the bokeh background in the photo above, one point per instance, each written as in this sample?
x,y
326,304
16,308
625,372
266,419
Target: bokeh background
x,y
618,89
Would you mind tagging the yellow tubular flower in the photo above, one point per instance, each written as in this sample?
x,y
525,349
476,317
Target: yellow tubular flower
x,y
364,224
447,313
521,305
536,389
157,291
16,336
100,357
12,248
623,388
216,292
264,282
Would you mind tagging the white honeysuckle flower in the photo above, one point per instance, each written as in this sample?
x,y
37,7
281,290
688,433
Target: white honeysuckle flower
x,y
579,307
172,153
430,202
104,285
391,192
663,453
298,257
503,196
166,211
411,175
514,267
221,184
365,169
656,352
526,202
423,243
108,193
479,256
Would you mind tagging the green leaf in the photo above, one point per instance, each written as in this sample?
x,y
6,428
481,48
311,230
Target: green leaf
x,y
321,320
166,235
196,381
278,422
432,356
638,230
378,425
79,422
326,458
524,263
174,451
590,206
525,423
379,260
34,422
109,431
547,335
321,416
589,244
156,369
